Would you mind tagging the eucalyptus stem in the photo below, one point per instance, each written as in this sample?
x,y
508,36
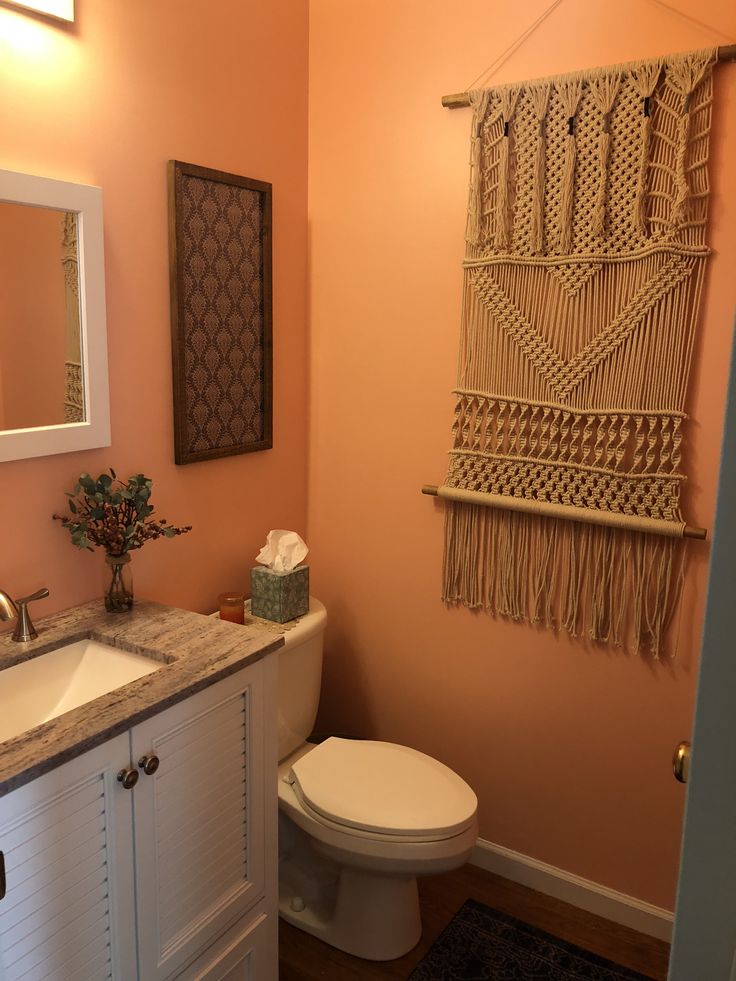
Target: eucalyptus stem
x,y
115,515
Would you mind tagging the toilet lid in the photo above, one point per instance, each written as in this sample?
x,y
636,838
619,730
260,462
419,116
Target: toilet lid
x,y
384,788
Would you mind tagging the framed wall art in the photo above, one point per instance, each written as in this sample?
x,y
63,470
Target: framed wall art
x,y
221,319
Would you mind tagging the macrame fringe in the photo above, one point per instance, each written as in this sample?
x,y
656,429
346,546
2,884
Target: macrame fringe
x,y
645,79
599,209
569,92
564,575
683,75
679,201
540,100
604,91
640,201
503,193
479,101
564,234
501,228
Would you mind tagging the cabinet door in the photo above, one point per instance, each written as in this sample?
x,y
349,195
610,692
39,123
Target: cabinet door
x,y
199,821
66,838
247,952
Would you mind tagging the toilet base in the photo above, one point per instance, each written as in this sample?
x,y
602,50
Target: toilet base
x,y
367,914
371,916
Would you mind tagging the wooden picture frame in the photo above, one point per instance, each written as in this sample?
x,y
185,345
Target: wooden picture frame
x,y
221,312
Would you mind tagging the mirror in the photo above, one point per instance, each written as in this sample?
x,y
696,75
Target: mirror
x,y
53,346
39,318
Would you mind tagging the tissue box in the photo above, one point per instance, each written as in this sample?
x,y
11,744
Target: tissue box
x,y
279,596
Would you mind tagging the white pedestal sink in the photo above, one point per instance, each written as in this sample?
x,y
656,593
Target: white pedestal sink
x,y
63,679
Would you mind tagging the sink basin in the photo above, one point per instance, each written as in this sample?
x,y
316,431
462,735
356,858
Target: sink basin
x,y
63,679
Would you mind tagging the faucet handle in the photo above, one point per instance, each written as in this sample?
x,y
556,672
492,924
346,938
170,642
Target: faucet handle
x,y
39,594
24,629
8,609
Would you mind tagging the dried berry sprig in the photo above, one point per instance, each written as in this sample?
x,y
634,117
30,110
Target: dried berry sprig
x,y
113,514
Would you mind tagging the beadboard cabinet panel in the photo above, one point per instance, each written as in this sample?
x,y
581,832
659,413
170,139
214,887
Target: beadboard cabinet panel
x,y
68,913
245,953
199,821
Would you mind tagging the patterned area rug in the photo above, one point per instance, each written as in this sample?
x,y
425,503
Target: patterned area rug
x,y
481,944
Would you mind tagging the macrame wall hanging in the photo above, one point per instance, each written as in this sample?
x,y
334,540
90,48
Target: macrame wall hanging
x,y
584,266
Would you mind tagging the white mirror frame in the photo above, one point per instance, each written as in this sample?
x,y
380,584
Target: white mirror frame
x,y
86,202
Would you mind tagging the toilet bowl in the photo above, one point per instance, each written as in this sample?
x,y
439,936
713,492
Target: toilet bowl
x,y
359,820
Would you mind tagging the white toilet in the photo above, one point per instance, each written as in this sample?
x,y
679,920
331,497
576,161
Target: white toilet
x,y
358,820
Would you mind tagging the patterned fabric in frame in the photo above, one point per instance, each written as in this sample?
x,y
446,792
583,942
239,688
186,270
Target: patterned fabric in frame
x,y
220,243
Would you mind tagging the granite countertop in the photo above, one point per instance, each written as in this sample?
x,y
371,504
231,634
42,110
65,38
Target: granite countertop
x,y
195,651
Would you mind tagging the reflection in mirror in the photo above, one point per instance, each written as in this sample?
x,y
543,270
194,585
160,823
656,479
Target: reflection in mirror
x,y
54,394
41,376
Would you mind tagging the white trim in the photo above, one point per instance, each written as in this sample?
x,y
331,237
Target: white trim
x,y
587,895
86,202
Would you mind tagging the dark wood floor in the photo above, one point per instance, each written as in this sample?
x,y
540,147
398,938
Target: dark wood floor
x,y
303,958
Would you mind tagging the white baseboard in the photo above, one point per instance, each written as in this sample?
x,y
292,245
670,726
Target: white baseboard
x,y
573,889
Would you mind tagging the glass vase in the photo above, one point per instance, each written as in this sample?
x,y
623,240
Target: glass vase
x,y
119,591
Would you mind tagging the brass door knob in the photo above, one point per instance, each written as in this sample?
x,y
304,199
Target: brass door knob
x,y
149,763
681,761
128,777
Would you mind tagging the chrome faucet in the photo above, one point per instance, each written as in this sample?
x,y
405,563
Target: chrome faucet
x,y
10,609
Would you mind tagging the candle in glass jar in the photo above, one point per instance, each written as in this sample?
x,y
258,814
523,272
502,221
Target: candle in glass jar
x,y
232,607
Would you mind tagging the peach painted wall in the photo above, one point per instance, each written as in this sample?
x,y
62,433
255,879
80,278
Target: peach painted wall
x,y
567,746
32,317
108,103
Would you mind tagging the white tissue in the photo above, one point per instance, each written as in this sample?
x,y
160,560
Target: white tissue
x,y
283,551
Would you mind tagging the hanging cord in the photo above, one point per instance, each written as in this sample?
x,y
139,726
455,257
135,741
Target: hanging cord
x,y
509,51
691,20
505,55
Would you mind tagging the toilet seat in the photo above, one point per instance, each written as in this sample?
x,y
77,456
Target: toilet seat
x,y
382,789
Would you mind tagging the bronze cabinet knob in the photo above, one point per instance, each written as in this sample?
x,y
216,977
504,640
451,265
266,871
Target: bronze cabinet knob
x,y
149,763
128,777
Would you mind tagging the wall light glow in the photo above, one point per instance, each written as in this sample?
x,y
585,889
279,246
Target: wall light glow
x,y
60,9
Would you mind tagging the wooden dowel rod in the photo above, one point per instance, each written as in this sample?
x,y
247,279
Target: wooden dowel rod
x,y
461,100
690,532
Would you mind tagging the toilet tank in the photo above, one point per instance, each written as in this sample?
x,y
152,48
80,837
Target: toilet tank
x,y
300,676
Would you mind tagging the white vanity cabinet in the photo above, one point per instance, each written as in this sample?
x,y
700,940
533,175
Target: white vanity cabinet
x,y
172,878
67,844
